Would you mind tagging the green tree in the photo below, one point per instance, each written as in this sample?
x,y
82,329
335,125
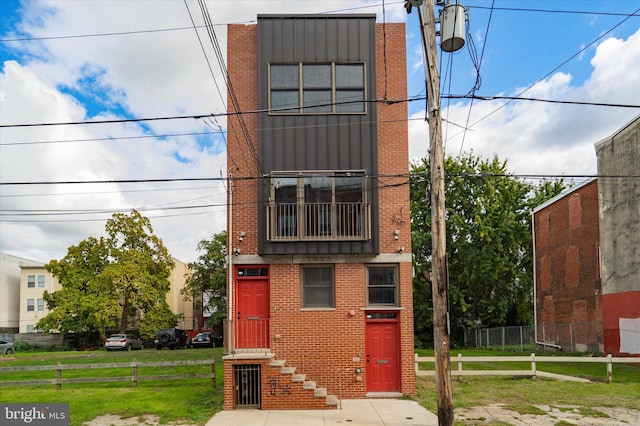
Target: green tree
x,y
489,244
208,278
110,282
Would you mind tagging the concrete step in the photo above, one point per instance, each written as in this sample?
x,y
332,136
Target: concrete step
x,y
320,392
299,378
309,385
288,370
333,400
277,363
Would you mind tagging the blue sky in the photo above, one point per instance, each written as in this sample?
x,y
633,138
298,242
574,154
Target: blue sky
x,y
67,61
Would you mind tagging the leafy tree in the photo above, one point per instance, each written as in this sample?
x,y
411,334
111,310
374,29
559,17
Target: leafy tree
x,y
489,244
209,277
108,282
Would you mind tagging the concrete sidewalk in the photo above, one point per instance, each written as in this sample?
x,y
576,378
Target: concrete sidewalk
x,y
361,412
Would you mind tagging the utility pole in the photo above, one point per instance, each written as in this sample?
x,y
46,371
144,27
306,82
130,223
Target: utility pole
x,y
438,231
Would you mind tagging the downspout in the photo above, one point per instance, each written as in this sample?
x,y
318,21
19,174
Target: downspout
x,y
535,285
231,331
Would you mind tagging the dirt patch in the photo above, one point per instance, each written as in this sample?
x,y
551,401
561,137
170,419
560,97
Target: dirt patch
x,y
550,416
146,420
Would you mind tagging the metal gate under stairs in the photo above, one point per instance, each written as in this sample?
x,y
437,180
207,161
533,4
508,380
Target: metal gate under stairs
x,y
247,382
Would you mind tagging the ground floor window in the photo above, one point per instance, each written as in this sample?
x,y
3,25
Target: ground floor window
x,y
382,285
317,287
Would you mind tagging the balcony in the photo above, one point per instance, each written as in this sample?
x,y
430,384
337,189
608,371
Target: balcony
x,y
319,221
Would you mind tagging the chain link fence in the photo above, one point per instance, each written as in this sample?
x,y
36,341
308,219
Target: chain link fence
x,y
575,337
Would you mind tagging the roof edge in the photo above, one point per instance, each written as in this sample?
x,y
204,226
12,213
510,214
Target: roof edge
x,y
563,194
616,133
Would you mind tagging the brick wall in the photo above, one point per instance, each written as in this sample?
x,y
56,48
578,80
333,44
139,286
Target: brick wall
x,y
567,259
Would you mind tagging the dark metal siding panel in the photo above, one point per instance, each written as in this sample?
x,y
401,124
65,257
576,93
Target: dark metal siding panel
x,y
317,142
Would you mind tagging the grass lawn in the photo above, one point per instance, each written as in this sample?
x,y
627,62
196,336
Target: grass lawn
x,y
195,401
521,394
188,400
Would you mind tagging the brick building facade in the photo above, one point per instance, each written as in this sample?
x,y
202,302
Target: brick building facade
x,y
320,300
587,255
567,284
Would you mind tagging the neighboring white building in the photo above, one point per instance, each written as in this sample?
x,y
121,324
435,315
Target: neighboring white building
x,y
23,282
34,280
10,291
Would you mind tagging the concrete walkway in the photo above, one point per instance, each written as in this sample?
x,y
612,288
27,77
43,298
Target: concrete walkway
x,y
361,412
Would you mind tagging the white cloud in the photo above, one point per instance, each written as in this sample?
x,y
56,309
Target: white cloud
x,y
544,138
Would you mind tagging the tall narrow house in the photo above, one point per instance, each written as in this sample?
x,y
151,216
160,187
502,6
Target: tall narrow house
x,y
320,295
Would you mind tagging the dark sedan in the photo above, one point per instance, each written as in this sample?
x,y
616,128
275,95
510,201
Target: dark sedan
x,y
206,339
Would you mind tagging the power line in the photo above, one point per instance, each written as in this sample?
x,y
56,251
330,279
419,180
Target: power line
x,y
258,111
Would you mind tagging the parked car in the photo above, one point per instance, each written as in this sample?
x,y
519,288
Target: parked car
x,y
7,348
172,338
123,342
206,339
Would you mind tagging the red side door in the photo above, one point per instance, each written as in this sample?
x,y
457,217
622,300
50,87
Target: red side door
x,y
252,313
382,369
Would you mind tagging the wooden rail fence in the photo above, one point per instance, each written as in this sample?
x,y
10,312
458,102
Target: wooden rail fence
x,y
135,377
531,359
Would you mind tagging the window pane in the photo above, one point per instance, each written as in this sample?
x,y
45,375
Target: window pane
x,y
40,305
286,198
285,189
350,75
317,291
284,76
30,305
31,281
381,285
322,98
348,189
316,75
382,296
349,101
318,189
41,281
382,276
285,99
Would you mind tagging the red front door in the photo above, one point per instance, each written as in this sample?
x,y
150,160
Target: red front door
x,y
252,313
382,356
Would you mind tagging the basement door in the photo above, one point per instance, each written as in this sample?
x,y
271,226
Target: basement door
x,y
382,346
252,308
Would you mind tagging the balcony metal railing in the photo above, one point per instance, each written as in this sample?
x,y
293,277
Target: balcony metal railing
x,y
318,221
251,333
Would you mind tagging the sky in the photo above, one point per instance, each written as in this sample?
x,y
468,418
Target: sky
x,y
70,61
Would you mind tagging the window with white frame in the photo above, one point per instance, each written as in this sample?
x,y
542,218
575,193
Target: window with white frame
x,y
31,305
382,285
40,281
31,328
31,281
317,88
317,287
40,305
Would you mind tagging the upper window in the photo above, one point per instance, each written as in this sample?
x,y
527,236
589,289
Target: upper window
x,y
40,281
31,281
317,88
31,304
382,285
318,205
317,287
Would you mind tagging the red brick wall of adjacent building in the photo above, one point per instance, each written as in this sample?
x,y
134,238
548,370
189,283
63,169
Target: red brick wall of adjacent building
x,y
328,345
567,268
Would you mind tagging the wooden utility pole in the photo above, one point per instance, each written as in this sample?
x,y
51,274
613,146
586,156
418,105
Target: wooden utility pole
x,y
438,230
